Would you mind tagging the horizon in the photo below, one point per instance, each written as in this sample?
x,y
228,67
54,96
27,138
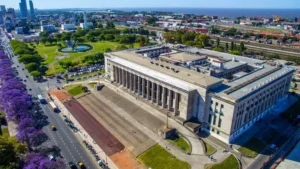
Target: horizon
x,y
113,4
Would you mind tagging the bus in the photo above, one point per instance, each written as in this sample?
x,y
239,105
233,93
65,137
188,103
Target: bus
x,y
42,100
54,107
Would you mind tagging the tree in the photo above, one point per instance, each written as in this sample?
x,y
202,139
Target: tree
x,y
218,42
110,25
151,20
226,46
166,30
232,46
32,66
143,41
121,47
218,49
35,74
242,46
38,160
108,50
234,52
11,151
152,33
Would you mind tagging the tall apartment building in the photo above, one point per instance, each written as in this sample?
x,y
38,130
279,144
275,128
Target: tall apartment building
x,y
23,9
32,14
227,94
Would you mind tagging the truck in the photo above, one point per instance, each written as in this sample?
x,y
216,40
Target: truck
x,y
42,100
53,107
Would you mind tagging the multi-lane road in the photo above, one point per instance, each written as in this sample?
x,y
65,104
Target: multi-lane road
x,y
64,138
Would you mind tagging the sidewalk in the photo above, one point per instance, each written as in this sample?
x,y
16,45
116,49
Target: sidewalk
x,y
83,135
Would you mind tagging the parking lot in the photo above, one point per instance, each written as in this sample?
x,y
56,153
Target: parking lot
x,y
85,69
133,138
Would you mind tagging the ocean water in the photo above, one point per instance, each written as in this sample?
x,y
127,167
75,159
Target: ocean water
x,y
225,12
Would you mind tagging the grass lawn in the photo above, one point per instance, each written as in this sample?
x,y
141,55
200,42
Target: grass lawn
x,y
92,85
159,158
252,148
209,149
4,132
229,163
50,52
74,90
181,143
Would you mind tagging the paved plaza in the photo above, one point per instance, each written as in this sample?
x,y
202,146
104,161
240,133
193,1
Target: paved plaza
x,y
132,137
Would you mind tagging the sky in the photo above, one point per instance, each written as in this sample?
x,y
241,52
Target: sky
x,y
55,4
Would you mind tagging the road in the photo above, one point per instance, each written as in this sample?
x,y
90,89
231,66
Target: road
x,y
64,138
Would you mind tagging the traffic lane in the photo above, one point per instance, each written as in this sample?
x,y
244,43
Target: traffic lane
x,y
70,153
70,141
73,151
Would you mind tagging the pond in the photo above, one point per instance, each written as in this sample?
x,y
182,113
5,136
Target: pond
x,y
78,48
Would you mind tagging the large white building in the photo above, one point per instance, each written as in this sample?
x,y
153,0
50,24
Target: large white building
x,y
68,27
227,94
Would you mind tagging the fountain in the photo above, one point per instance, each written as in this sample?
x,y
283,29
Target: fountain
x,y
74,46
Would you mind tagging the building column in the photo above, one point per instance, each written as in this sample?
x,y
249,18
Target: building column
x,y
164,95
148,89
143,87
120,75
139,85
176,106
170,99
153,92
158,94
127,80
123,77
134,84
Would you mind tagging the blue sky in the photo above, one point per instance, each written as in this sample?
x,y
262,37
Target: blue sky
x,y
46,4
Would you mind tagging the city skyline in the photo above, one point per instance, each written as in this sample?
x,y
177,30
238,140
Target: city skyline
x,y
56,4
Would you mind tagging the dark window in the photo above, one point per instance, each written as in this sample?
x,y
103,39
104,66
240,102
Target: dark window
x,y
222,106
220,123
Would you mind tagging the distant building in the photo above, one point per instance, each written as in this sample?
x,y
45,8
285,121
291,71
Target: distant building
x,y
68,27
19,30
31,9
11,10
23,9
2,13
85,24
50,28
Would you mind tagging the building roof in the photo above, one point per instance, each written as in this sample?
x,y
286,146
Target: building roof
x,y
185,79
182,57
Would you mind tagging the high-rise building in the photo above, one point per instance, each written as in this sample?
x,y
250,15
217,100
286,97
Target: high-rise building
x,y
31,9
2,9
2,13
23,9
11,10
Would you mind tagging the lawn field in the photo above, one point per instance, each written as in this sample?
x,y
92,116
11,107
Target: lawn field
x,y
4,132
229,163
182,144
52,56
159,158
74,90
252,148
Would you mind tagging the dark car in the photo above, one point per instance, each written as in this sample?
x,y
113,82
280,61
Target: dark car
x,y
72,165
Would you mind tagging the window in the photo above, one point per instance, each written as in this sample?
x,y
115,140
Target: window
x,y
215,119
217,103
222,106
213,130
211,102
209,118
220,122
218,132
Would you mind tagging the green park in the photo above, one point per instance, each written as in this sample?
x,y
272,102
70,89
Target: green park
x,y
57,52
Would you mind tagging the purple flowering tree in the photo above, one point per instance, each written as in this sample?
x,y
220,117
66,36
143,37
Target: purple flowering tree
x,y
40,161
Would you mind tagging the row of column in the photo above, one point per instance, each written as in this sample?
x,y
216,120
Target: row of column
x,y
149,90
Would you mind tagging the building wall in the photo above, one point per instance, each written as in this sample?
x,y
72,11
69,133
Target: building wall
x,y
168,97
256,106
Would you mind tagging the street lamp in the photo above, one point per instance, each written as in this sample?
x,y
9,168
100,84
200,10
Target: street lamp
x,y
168,119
